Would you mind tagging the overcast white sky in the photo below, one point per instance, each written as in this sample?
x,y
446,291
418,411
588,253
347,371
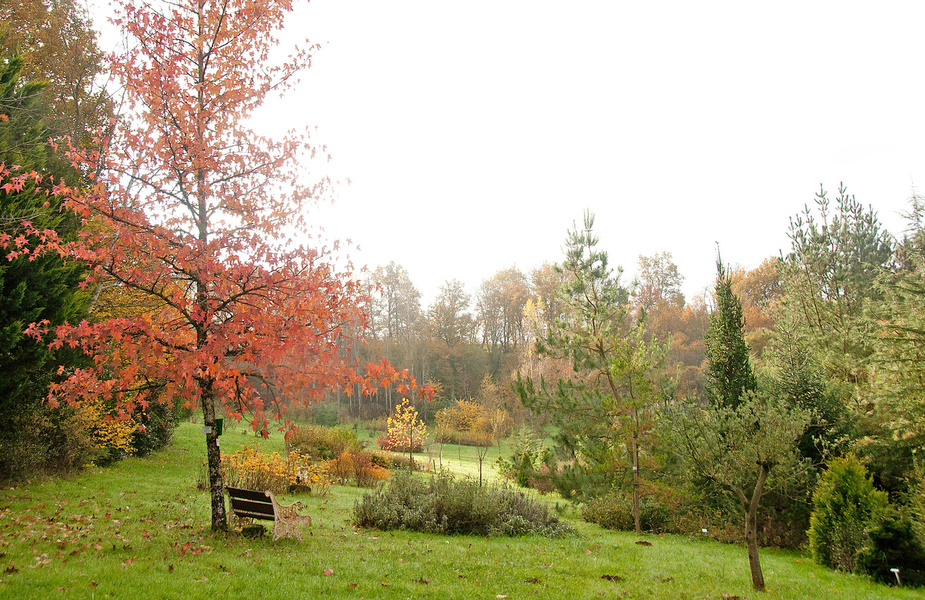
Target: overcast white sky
x,y
476,132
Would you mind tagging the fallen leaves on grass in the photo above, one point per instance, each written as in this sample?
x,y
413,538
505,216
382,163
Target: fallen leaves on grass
x,y
612,577
643,543
41,561
190,548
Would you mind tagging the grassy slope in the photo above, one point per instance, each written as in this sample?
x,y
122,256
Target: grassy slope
x,y
140,530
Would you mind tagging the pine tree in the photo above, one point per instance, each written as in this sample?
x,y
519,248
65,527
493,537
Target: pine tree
x,y
603,411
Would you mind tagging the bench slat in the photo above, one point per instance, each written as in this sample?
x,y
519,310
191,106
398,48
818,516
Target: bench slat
x,y
254,515
251,503
265,509
248,494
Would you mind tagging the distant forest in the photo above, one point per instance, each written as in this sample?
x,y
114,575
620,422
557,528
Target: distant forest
x,y
467,339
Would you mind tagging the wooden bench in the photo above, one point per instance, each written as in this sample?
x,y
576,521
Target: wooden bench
x,y
251,504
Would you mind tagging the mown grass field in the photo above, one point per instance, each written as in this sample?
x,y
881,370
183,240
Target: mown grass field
x,y
140,529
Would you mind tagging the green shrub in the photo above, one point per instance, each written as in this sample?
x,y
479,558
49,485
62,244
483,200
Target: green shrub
x,y
844,505
403,462
916,502
445,505
323,443
661,510
917,506
159,421
524,469
380,459
892,544
525,455
325,415
25,452
46,442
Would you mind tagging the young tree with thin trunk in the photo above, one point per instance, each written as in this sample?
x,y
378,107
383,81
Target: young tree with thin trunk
x,y
193,207
606,402
745,450
741,435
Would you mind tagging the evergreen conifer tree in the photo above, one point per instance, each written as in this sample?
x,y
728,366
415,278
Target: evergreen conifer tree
x,y
31,288
729,374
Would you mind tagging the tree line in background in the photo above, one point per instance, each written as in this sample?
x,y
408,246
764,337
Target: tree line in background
x,y
787,404
464,338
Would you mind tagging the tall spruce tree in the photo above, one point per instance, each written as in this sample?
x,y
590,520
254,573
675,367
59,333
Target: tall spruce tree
x,y
729,374
794,375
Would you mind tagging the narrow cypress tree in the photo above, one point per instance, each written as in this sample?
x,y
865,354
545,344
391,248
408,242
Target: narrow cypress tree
x,y
729,373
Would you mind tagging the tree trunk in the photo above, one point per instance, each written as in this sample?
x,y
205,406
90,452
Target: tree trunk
x,y
637,518
214,459
751,530
481,456
411,448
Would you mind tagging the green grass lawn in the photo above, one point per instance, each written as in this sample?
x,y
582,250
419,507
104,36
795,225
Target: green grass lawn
x,y
140,529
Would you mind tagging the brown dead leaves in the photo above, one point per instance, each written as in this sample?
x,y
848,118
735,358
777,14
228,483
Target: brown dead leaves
x,y
191,549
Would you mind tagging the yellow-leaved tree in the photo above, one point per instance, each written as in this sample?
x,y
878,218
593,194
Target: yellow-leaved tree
x,y
406,430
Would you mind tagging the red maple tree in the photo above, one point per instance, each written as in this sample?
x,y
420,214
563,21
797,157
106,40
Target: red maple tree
x,y
187,205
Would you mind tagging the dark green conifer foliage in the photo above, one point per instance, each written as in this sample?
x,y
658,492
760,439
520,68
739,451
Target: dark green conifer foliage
x,y
729,374
797,378
33,289
845,504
